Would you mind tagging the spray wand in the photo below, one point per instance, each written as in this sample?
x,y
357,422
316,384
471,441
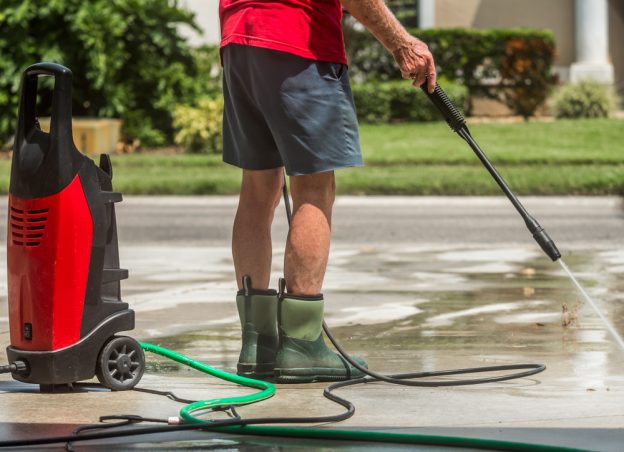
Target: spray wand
x,y
457,122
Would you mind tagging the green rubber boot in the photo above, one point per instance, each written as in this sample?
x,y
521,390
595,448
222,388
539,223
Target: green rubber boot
x,y
303,356
257,310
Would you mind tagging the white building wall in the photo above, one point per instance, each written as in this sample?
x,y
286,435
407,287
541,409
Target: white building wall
x,y
207,17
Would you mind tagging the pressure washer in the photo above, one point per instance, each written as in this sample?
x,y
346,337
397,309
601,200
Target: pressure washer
x,y
64,292
63,270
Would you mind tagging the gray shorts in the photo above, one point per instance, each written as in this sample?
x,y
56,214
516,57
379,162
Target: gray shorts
x,y
285,110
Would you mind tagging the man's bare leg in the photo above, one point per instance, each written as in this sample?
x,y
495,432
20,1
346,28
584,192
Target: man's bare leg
x,y
303,355
307,248
251,235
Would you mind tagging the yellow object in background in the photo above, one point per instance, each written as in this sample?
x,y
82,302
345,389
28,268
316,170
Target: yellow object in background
x,y
92,135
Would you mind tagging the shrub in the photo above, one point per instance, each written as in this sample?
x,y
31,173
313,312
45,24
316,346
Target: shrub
x,y
208,66
378,102
512,65
368,59
198,129
586,99
372,101
525,74
128,60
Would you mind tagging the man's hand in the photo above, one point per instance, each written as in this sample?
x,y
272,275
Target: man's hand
x,y
416,63
411,54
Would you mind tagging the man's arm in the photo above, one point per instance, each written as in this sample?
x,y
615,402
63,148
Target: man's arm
x,y
411,54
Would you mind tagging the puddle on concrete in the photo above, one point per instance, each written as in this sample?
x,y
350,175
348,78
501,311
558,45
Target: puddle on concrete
x,y
410,309
402,308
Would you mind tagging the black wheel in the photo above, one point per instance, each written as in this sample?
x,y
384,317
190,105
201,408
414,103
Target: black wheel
x,y
121,363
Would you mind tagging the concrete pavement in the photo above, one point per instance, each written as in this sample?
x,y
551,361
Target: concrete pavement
x,y
413,284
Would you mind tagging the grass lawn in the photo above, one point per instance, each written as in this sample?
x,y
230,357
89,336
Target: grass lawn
x,y
562,157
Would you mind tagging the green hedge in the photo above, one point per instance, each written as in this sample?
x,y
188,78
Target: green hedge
x,y
513,65
128,58
378,102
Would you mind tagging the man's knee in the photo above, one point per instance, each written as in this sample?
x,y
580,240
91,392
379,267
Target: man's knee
x,y
262,189
318,189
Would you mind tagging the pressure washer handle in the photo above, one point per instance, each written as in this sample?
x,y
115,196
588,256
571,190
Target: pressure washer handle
x,y
52,69
453,116
43,162
61,119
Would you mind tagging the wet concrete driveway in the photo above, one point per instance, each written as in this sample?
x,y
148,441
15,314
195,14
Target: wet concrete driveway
x,y
403,306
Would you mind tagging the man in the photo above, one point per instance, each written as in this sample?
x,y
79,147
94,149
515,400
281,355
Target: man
x,y
288,103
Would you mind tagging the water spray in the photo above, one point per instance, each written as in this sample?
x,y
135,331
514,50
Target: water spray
x,y
457,123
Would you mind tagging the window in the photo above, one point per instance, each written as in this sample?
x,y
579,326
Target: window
x,y
406,11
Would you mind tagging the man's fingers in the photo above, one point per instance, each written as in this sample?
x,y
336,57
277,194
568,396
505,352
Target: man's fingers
x,y
431,76
419,67
431,81
419,78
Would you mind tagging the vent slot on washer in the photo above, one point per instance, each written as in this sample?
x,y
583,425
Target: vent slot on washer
x,y
28,226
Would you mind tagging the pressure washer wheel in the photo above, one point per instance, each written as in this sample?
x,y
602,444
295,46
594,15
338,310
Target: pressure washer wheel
x,y
121,363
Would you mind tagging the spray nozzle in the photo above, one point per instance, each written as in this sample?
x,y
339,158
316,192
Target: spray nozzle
x,y
542,238
547,244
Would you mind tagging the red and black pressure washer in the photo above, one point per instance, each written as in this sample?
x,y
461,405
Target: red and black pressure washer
x,y
63,259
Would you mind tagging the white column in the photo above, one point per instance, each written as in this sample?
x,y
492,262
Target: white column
x,y
426,13
592,42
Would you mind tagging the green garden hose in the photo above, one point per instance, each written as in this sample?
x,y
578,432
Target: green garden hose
x,y
186,413
268,390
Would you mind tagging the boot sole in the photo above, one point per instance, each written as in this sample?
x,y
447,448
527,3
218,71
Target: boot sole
x,y
309,375
254,371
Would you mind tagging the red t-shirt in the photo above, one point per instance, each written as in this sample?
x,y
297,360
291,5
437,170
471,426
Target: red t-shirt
x,y
308,28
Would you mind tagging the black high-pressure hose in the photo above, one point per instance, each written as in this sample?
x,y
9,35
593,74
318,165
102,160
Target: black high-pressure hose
x,y
408,379
14,367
